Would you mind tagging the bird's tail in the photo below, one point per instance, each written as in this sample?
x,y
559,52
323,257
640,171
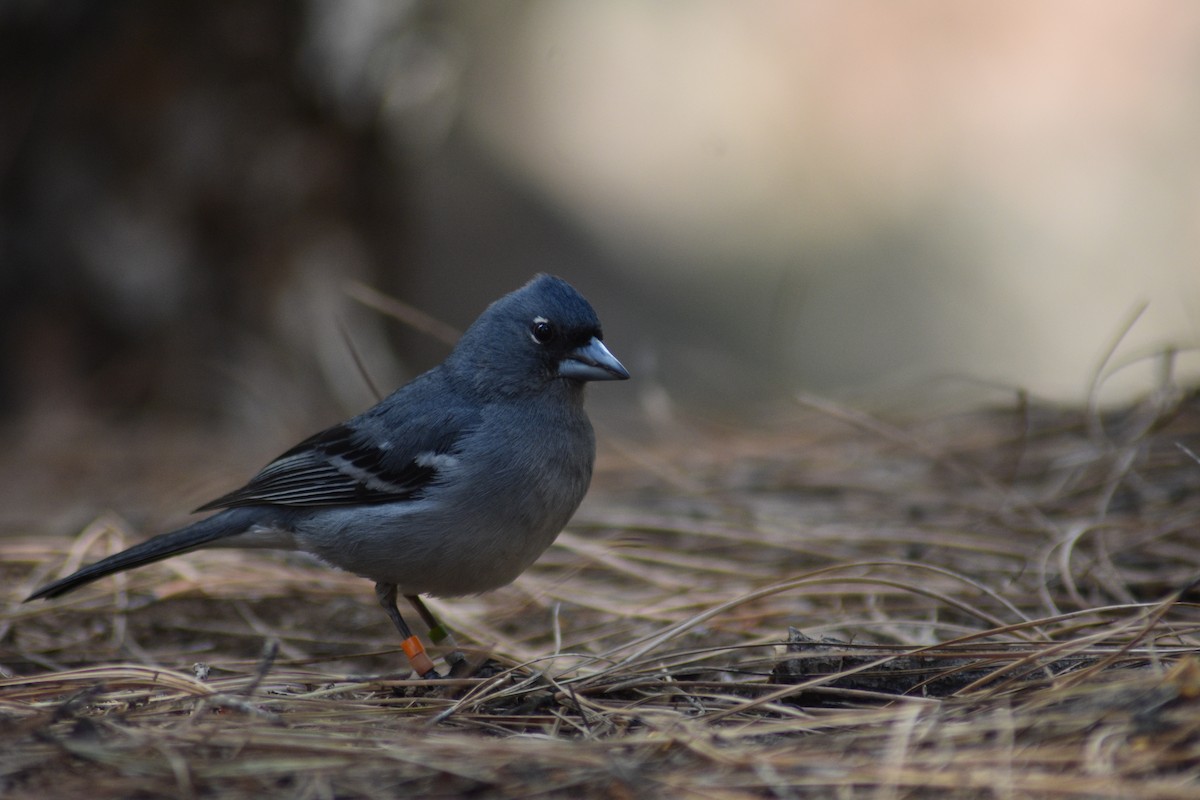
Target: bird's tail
x,y
194,536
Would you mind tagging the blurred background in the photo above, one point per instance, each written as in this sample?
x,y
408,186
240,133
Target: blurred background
x,y
873,199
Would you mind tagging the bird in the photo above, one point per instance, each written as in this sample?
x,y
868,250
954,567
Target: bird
x,y
452,485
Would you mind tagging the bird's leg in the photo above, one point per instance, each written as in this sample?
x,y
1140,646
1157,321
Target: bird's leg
x,y
417,657
439,633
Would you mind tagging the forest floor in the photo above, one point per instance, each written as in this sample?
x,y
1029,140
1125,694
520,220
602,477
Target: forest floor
x,y
994,604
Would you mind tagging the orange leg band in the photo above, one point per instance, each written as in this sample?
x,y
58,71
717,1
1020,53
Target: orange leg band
x,y
416,656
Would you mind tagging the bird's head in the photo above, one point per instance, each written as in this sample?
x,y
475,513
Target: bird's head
x,y
543,332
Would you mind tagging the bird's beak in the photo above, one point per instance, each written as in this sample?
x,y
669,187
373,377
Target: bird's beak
x,y
592,362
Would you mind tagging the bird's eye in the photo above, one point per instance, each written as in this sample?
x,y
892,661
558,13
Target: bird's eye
x,y
541,330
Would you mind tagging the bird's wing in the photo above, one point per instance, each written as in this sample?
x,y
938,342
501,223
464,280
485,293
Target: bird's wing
x,y
353,463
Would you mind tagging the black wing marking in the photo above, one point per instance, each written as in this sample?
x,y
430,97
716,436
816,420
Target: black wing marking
x,y
343,466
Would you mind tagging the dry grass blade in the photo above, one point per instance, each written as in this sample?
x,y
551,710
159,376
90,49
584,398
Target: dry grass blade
x,y
408,314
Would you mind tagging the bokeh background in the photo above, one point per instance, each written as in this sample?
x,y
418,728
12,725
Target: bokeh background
x,y
901,200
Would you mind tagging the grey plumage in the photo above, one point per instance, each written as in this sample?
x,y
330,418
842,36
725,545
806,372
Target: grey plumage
x,y
452,485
